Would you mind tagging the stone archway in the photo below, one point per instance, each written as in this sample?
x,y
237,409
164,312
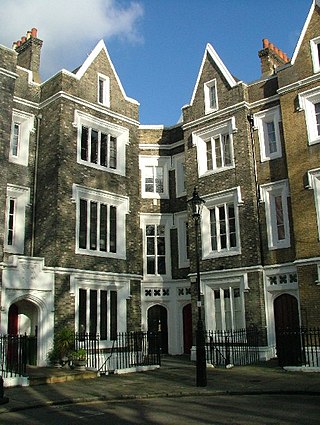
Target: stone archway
x,y
23,319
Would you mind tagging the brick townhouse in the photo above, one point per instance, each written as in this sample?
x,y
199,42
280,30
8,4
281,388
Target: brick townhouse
x,y
96,232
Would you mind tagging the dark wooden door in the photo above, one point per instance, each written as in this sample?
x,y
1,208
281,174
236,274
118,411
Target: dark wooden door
x,y
286,315
187,328
158,322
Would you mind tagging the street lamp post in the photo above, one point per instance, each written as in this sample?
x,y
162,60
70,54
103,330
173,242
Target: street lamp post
x,y
201,378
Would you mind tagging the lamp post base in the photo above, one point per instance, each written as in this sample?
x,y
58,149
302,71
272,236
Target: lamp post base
x,y
201,361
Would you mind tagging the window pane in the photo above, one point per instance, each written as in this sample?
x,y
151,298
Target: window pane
x,y
113,229
317,112
279,218
93,312
218,154
213,228
222,227
161,246
103,227
101,90
161,265
93,225
16,137
104,150
226,141
159,179
83,224
209,155
113,315
232,226
82,310
271,137
151,265
150,246
113,152
103,314
12,203
94,146
84,143
212,97
149,183
150,230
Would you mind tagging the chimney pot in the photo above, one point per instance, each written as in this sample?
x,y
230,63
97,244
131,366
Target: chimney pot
x,y
34,32
23,39
271,46
265,43
28,34
19,43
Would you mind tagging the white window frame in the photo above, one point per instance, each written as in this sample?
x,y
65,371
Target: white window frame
x,y
314,183
208,88
105,90
157,219
179,167
122,207
268,194
102,281
307,100
200,138
26,125
232,195
181,219
261,119
121,134
155,161
21,197
314,45
220,283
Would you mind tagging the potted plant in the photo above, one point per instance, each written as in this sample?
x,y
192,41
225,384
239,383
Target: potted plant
x,y
63,345
79,358
54,357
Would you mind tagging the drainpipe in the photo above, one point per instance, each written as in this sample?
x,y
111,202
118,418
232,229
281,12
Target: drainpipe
x,y
35,183
251,123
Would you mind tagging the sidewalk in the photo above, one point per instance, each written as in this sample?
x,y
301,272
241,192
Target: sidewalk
x,y
176,377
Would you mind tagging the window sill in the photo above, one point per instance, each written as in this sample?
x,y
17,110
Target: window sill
x,y
217,171
221,254
100,254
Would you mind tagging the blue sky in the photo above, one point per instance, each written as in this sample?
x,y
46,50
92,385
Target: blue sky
x,y
156,45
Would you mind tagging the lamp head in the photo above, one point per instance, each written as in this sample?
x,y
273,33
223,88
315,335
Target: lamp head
x,y
196,204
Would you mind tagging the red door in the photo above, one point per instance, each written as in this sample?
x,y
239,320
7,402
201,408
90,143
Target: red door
x,y
187,328
13,320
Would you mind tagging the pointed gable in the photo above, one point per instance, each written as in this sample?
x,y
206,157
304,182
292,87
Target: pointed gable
x,y
213,88
210,51
101,47
306,56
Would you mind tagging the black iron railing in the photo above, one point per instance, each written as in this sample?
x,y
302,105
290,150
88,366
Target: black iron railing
x,y
298,347
233,347
131,350
13,355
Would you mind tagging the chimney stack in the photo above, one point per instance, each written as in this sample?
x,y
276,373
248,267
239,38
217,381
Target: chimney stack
x,y
271,57
28,49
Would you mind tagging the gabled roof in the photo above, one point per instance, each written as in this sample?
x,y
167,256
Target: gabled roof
x,y
217,60
304,29
92,56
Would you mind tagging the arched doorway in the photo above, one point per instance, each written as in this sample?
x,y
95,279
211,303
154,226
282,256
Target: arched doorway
x,y
286,317
23,320
187,328
158,322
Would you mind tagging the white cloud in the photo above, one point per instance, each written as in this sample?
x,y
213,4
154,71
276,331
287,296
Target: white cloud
x,y
70,29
